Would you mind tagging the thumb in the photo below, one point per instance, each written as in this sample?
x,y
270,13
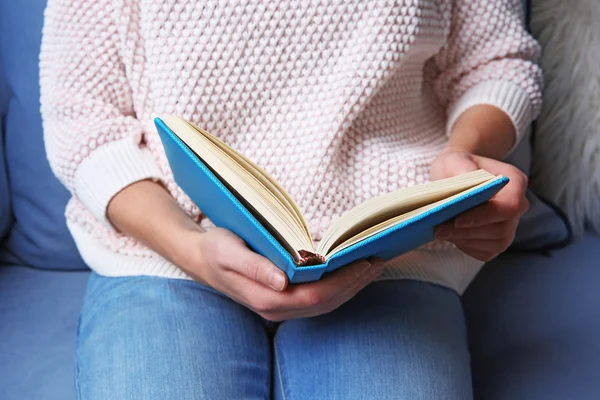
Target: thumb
x,y
452,164
257,268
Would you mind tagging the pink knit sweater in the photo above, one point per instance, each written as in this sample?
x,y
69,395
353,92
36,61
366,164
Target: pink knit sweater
x,y
338,100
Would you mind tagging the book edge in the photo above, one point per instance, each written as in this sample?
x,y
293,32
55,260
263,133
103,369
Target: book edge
x,y
499,183
164,127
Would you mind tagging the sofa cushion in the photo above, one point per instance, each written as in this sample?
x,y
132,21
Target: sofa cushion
x,y
38,326
39,236
566,165
5,209
543,226
534,325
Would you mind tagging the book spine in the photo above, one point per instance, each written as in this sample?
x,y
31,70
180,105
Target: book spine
x,y
309,258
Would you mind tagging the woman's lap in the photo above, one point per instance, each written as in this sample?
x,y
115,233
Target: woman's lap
x,y
154,338
394,340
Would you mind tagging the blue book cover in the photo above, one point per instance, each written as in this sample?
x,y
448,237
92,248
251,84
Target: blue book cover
x,y
225,210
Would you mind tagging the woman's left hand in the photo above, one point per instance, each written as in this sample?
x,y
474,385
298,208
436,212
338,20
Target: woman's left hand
x,y
489,229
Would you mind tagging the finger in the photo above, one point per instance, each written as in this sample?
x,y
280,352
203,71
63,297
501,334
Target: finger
x,y
478,254
272,304
505,206
269,304
376,261
249,293
313,294
509,203
302,300
461,164
485,245
491,231
350,292
256,267
341,298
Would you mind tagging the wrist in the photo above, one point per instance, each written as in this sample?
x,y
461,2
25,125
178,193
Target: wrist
x,y
146,211
183,246
123,204
450,148
483,130
186,251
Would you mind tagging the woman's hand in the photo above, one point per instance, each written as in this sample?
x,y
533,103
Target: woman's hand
x,y
221,259
487,230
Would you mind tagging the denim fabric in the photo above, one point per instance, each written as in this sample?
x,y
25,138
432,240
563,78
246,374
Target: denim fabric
x,y
154,338
394,340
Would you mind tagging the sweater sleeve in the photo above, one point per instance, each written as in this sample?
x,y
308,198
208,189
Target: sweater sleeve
x,y
93,140
489,59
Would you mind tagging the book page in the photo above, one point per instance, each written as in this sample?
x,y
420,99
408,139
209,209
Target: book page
x,y
399,219
271,184
276,210
387,206
271,205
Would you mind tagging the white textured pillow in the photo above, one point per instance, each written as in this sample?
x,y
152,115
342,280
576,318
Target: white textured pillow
x,y
566,161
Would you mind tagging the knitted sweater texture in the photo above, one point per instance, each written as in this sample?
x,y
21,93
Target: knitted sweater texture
x,y
339,100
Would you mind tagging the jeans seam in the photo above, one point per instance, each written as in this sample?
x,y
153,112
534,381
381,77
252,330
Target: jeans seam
x,y
278,367
77,383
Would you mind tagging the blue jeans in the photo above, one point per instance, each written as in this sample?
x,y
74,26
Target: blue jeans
x,y
154,338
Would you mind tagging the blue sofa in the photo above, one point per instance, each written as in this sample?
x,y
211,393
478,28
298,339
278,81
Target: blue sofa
x,y
534,319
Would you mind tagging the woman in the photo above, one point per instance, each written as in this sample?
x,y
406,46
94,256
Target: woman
x,y
339,101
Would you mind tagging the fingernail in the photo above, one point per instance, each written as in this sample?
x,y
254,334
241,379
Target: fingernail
x,y
443,233
464,222
277,280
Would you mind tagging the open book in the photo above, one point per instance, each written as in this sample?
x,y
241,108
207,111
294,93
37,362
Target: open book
x,y
238,195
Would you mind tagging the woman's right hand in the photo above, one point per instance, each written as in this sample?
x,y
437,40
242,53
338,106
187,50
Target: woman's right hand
x,y
223,261
220,259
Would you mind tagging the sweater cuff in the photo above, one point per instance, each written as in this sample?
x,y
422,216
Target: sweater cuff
x,y
108,170
507,96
